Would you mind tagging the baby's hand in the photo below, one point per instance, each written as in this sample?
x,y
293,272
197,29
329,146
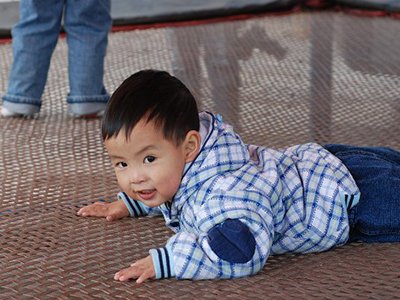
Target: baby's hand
x,y
142,269
112,211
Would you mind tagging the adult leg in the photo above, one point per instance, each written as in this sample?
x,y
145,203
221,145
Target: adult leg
x,y
87,24
34,39
376,171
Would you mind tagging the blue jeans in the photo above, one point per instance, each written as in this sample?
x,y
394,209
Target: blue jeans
x,y
87,23
376,170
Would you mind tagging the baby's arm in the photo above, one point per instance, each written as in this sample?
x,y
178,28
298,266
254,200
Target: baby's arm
x,y
124,207
112,211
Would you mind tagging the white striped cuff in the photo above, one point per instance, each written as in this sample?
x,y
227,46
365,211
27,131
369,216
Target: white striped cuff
x,y
163,261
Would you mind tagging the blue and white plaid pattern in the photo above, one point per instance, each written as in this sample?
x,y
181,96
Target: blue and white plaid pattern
x,y
291,201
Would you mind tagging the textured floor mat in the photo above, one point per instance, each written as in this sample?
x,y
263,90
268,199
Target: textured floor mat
x,y
324,77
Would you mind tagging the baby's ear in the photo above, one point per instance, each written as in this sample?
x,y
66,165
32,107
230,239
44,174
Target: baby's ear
x,y
192,145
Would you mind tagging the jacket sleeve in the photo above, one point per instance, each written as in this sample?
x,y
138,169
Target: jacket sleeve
x,y
137,208
201,256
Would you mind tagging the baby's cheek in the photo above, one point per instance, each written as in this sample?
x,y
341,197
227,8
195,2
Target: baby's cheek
x,y
124,185
171,185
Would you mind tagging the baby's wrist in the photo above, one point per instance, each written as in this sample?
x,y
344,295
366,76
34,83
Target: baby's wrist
x,y
124,209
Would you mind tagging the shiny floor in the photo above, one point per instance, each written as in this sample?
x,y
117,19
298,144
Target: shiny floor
x,y
280,80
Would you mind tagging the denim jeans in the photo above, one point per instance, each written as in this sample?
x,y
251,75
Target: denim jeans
x,y
376,170
87,23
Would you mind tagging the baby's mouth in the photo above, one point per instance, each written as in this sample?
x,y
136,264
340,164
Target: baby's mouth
x,y
146,194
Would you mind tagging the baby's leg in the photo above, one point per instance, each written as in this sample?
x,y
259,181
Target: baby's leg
x,y
377,172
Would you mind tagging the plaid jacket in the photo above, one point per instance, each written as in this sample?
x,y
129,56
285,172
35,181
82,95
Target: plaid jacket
x,y
293,200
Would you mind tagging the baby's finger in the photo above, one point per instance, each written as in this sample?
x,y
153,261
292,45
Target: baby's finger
x,y
92,212
118,275
126,274
82,211
111,217
146,275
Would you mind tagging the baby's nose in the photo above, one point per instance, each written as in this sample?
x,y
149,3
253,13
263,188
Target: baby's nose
x,y
137,177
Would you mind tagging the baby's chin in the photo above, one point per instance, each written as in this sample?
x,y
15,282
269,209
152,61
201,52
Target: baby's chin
x,y
155,202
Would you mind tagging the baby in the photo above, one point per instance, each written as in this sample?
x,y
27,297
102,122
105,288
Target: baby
x,y
231,205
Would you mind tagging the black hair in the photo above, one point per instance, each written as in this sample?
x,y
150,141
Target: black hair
x,y
153,95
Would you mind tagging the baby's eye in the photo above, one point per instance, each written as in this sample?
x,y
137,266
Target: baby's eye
x,y
149,159
121,164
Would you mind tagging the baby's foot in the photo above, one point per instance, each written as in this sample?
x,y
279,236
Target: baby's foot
x,y
8,113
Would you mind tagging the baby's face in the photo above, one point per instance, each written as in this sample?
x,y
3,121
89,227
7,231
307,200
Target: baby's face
x,y
149,168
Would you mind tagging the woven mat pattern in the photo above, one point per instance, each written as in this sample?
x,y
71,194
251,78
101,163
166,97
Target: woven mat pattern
x,y
280,80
